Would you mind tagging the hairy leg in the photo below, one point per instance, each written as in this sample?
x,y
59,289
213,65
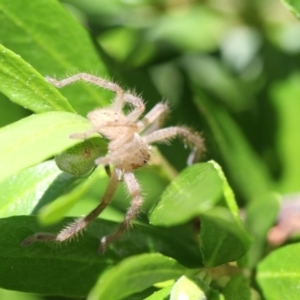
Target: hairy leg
x,y
136,202
108,85
194,140
153,119
113,144
138,104
73,228
121,96
85,77
83,135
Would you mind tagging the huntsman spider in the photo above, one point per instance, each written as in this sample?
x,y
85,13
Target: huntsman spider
x,y
129,147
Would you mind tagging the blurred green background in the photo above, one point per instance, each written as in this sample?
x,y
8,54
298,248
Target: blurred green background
x,y
229,69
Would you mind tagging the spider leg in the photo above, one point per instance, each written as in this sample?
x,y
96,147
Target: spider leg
x,y
83,135
136,202
194,140
116,143
138,105
75,227
154,118
85,77
119,99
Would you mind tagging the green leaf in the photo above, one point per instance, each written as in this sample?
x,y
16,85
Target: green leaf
x,y
79,160
196,190
258,223
285,96
215,295
163,294
189,287
244,165
25,192
222,235
34,268
135,274
12,112
178,28
292,5
278,275
55,44
217,79
229,198
6,294
56,210
36,138
237,288
222,239
23,85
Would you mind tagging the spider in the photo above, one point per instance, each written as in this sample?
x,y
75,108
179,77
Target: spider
x,y
129,149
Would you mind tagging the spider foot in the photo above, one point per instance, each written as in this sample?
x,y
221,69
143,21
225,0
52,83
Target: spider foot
x,y
82,135
103,245
40,236
78,136
51,80
102,161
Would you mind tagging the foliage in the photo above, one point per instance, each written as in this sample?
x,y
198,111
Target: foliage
x,y
229,69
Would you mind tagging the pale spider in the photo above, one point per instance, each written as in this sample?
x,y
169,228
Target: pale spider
x,y
129,149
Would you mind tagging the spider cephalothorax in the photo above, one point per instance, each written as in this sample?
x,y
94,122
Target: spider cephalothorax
x,y
129,149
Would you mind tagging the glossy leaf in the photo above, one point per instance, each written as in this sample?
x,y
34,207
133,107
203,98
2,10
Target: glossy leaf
x,y
56,210
22,84
238,288
162,294
36,138
6,294
34,268
229,198
135,274
54,43
246,166
196,190
215,295
278,275
202,190
189,287
285,96
222,235
12,112
222,239
25,192
258,223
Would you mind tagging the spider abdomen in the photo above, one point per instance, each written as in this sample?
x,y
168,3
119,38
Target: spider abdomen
x,y
137,156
